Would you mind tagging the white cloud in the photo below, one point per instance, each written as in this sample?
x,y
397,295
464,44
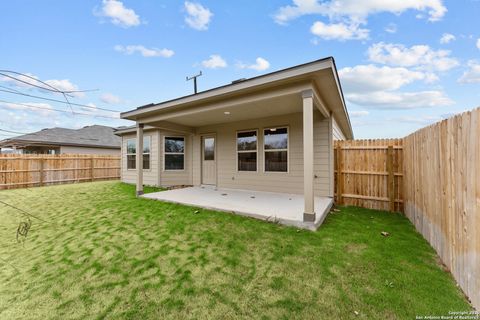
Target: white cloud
x,y
28,81
65,85
447,38
118,14
358,114
421,120
110,98
377,87
339,31
478,43
215,61
260,65
401,100
391,28
421,56
472,75
43,109
198,17
146,52
369,78
356,10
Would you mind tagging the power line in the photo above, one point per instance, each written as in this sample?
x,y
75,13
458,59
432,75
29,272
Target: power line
x,y
16,132
59,110
52,88
59,101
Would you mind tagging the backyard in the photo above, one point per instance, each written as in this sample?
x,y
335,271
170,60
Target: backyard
x,y
99,252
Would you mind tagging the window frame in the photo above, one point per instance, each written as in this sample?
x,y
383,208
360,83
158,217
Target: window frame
x,y
144,153
183,153
273,150
246,151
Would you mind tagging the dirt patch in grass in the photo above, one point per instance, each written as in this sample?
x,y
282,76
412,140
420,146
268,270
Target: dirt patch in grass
x,y
103,253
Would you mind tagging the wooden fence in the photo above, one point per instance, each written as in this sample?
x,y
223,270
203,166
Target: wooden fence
x,y
442,194
23,171
369,173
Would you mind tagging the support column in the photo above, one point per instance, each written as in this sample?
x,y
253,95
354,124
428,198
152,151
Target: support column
x,y
139,158
308,175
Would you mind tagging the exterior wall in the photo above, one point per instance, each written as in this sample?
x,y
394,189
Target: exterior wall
x,y
337,132
150,176
289,182
84,150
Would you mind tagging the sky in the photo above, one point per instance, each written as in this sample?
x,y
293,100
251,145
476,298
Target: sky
x,y
403,64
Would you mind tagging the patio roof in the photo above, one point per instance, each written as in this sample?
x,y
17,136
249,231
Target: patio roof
x,y
265,90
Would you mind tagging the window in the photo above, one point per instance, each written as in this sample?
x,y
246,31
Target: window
x,y
247,151
276,149
209,149
174,154
132,151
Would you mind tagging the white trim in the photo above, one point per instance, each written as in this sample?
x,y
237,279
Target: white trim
x,y
246,151
177,153
272,150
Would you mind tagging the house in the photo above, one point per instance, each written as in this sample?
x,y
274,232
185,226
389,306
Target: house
x,y
96,139
270,135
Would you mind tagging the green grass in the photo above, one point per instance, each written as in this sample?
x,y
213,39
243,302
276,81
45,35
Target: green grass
x,y
106,254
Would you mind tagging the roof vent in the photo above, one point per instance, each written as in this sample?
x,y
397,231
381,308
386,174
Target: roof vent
x,y
239,80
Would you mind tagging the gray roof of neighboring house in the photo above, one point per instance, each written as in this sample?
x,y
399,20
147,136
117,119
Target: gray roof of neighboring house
x,y
89,136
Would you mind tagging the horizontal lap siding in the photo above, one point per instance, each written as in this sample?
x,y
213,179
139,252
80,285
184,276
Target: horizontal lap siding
x,y
291,182
150,177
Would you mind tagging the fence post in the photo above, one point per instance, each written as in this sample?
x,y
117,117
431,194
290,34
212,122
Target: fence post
x,y
339,175
41,170
92,178
390,179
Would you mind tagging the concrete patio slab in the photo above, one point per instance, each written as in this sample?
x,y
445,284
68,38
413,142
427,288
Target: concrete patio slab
x,y
281,208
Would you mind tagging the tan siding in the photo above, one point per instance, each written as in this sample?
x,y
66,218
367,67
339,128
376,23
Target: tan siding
x,y
86,150
337,132
150,176
292,181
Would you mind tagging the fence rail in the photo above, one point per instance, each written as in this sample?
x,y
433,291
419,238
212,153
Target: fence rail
x,y
23,171
369,173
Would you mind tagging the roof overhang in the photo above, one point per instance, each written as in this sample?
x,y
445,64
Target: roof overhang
x,y
320,74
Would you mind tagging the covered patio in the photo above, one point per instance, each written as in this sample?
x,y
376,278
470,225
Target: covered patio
x,y
286,209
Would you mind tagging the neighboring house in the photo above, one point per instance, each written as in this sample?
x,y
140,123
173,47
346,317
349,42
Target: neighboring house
x,y
94,139
273,132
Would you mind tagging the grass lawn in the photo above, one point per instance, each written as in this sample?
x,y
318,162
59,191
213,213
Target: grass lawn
x,y
106,254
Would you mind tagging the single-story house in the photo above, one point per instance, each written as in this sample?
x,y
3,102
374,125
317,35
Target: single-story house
x,y
96,139
269,134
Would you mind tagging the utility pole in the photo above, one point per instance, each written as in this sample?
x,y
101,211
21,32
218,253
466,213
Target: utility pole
x,y
194,81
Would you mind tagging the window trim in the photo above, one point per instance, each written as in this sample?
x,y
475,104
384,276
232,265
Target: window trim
x,y
272,150
184,152
135,154
246,151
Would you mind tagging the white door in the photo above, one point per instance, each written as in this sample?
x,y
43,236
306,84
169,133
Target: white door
x,y
209,161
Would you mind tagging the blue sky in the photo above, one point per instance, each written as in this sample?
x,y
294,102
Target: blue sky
x,y
403,64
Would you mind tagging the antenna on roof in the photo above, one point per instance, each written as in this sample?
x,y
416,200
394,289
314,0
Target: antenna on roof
x,y
194,81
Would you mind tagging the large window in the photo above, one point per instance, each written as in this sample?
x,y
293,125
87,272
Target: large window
x,y
132,151
174,153
247,151
276,149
